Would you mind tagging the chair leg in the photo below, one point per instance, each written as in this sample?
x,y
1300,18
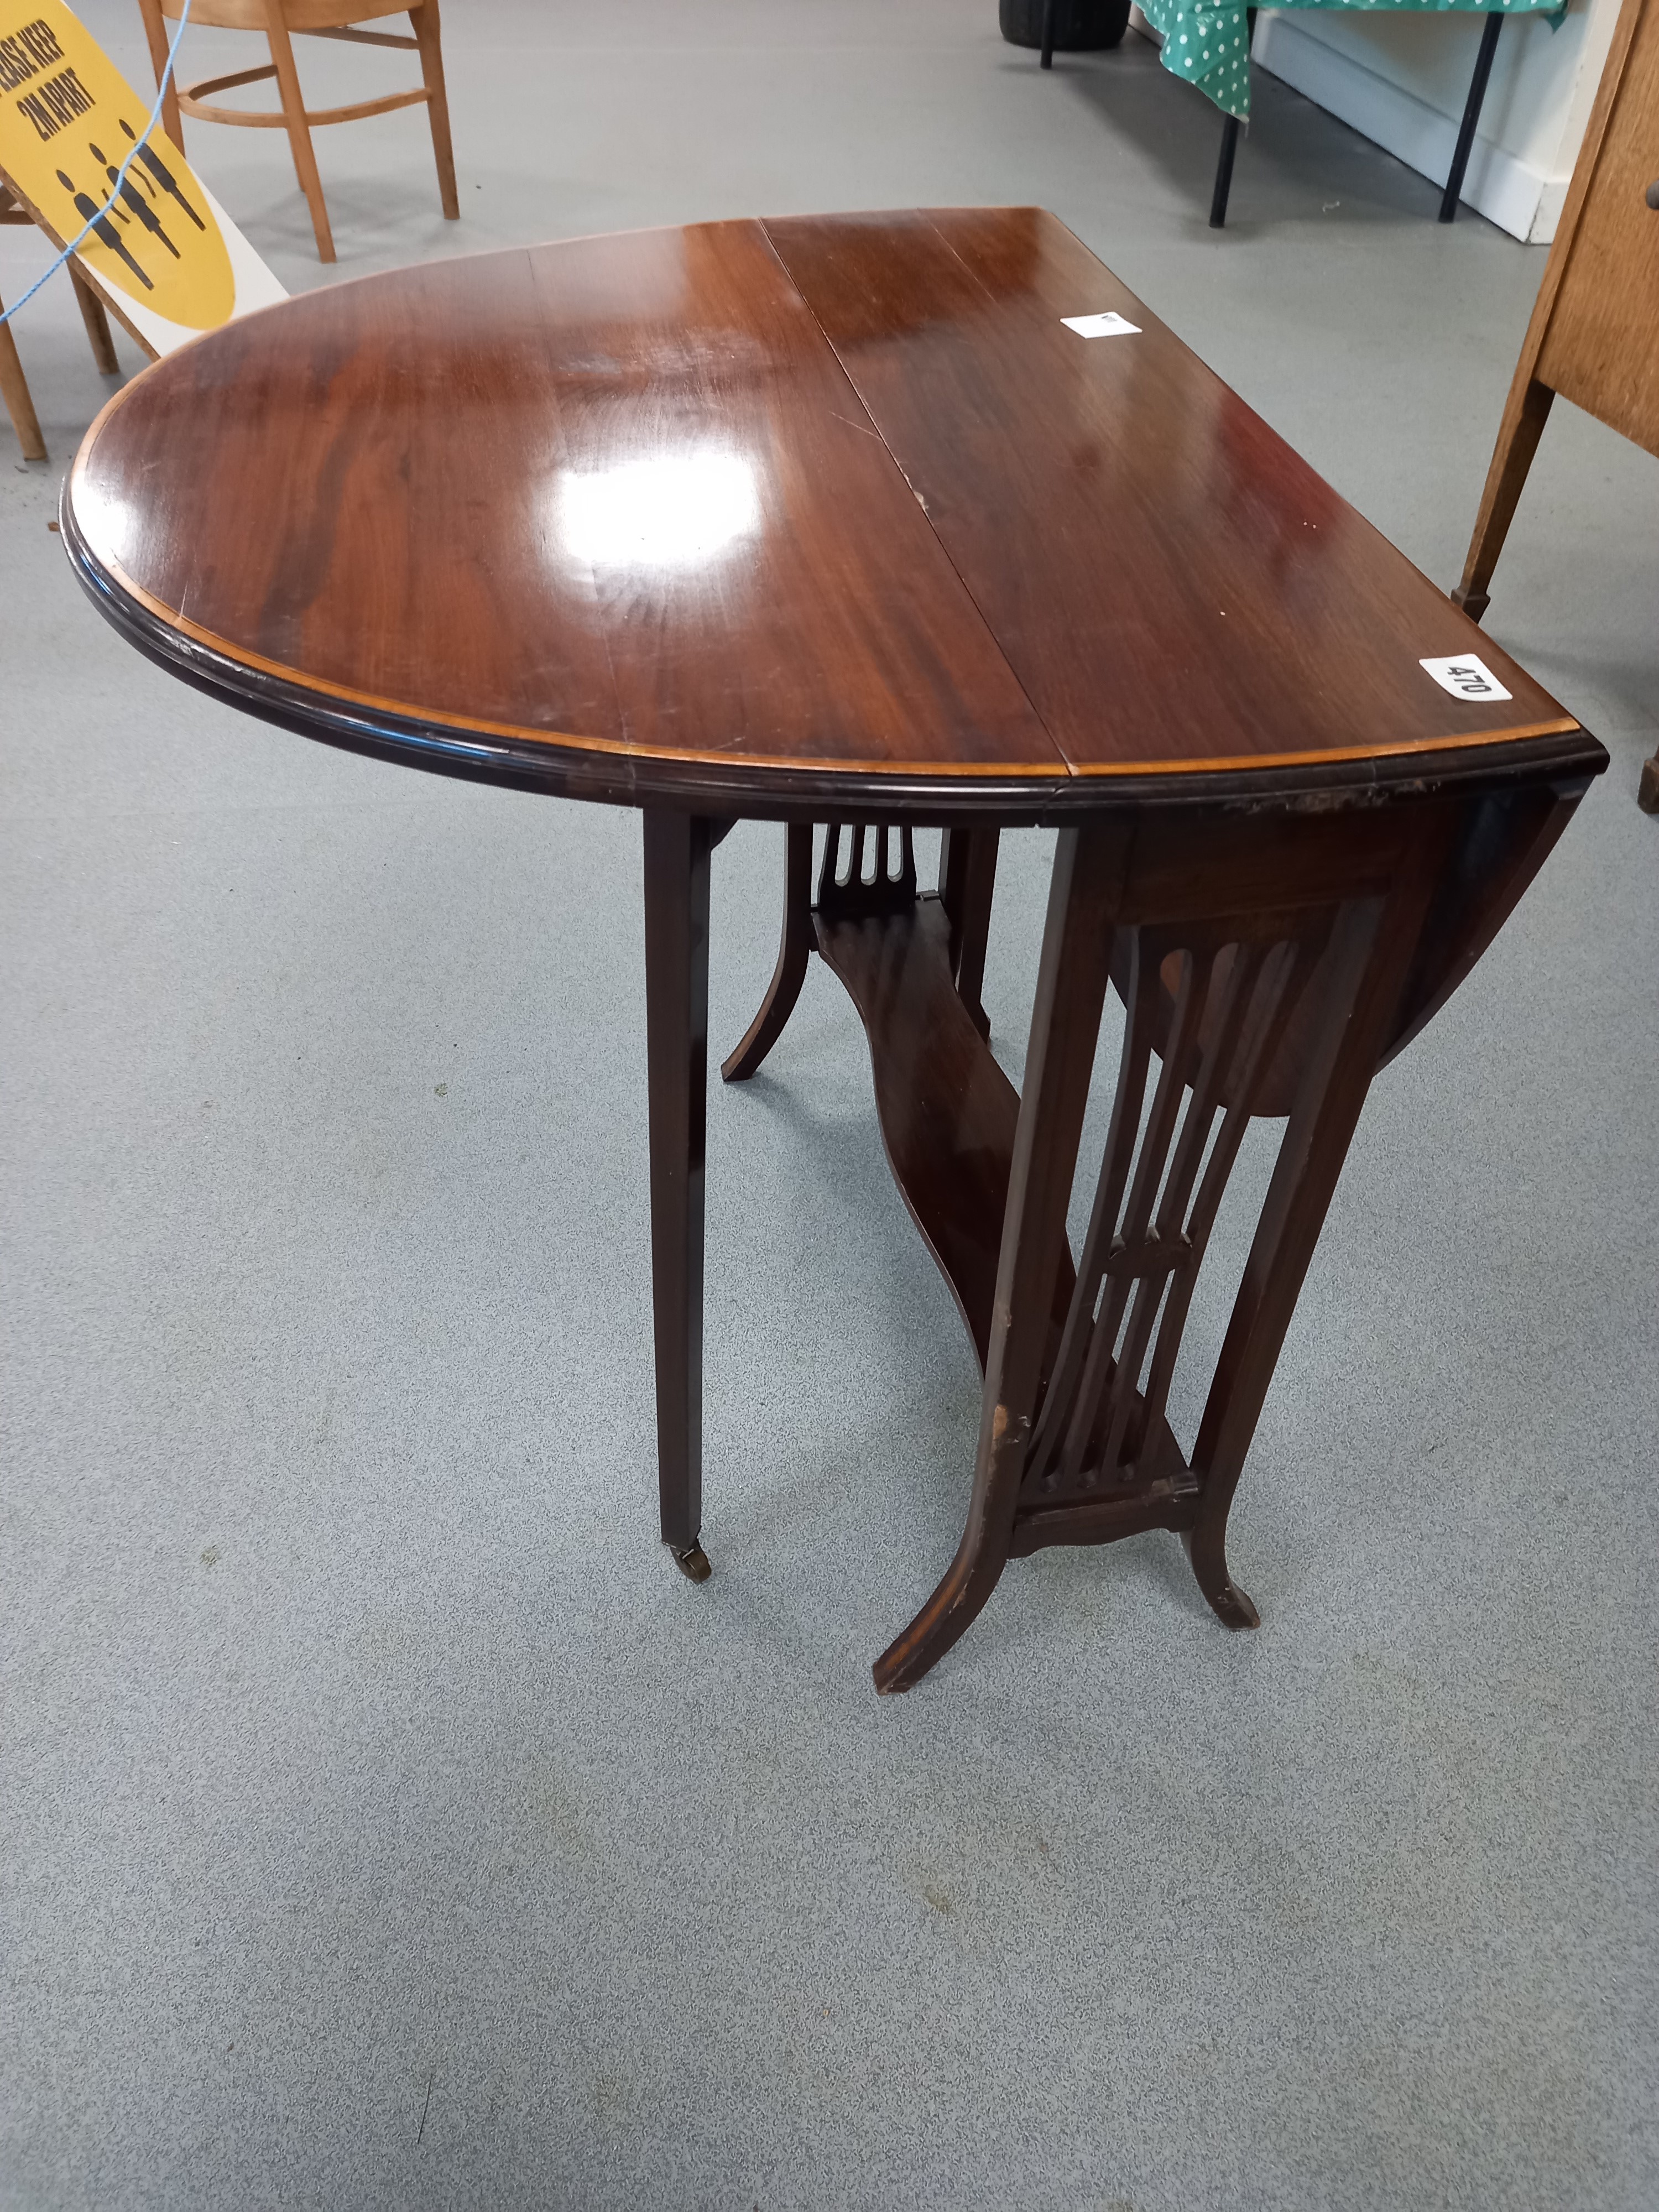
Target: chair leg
x,y
97,323
423,20
1524,418
155,32
14,389
299,129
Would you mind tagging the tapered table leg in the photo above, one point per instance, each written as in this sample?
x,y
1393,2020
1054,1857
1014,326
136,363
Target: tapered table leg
x,y
676,848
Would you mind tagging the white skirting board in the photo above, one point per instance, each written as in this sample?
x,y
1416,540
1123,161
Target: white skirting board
x,y
1500,184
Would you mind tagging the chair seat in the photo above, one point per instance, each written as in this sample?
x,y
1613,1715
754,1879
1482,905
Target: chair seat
x,y
300,14
276,20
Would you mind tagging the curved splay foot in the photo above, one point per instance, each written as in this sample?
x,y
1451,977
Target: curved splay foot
x,y
891,1675
1232,1609
692,1561
790,973
951,1610
1208,1553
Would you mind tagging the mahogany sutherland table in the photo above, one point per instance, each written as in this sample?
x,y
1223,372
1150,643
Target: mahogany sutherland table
x,y
837,520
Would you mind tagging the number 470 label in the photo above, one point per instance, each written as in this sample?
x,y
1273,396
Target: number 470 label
x,y
1465,677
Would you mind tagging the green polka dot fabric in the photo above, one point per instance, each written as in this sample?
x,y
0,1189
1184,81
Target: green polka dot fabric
x,y
1209,46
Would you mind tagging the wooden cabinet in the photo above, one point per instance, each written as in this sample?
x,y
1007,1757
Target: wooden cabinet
x,y
1594,336
1601,346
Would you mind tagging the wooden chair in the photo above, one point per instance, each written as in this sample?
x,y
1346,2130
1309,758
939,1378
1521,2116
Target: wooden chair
x,y
14,385
323,19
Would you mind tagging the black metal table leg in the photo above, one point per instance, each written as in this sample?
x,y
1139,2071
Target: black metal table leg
x,y
676,848
1472,106
1048,10
1224,165
1224,173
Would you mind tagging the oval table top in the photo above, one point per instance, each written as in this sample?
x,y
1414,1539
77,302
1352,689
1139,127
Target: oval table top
x,y
780,517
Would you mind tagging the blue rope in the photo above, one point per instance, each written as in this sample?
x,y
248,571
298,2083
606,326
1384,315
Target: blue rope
x,y
93,221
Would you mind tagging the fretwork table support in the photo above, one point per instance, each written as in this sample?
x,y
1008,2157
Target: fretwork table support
x,y
1262,964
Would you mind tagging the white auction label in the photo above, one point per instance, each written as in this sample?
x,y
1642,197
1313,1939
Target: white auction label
x,y
1465,677
1101,326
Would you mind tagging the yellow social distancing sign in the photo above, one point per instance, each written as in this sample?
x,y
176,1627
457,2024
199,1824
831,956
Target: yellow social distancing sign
x,y
163,253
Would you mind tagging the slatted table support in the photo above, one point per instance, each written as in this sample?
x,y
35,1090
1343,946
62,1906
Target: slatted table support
x,y
1259,978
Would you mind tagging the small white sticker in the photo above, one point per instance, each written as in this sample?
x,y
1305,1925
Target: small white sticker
x,y
1465,677
1101,326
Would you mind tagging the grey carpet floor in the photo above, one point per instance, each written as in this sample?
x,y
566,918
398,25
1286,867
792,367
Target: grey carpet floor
x,y
385,1822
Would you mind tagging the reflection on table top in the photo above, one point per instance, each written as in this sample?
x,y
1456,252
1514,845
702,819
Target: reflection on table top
x,y
818,505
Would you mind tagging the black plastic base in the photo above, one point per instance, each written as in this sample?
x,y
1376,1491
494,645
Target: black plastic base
x,y
1080,26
